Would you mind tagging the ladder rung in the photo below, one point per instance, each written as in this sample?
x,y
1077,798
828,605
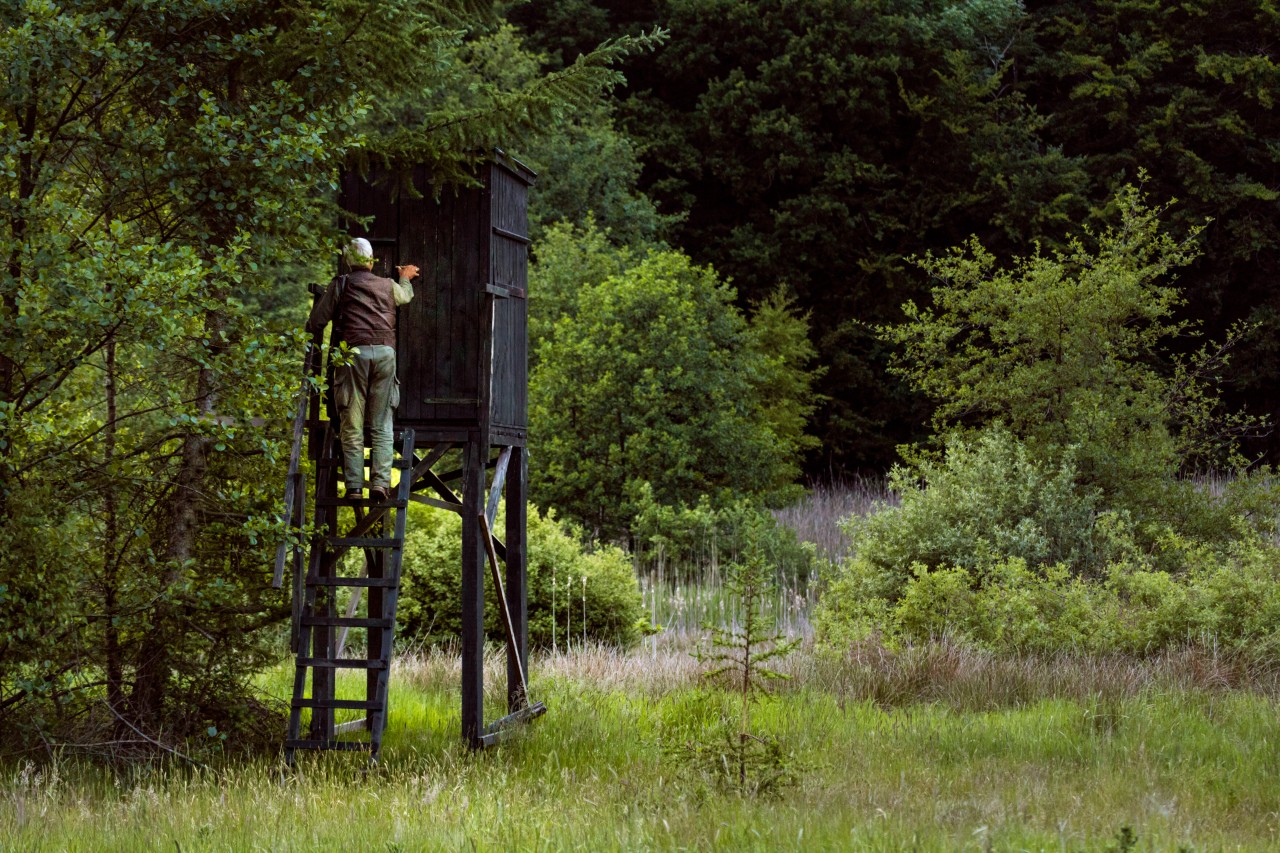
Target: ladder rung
x,y
364,541
347,622
342,663
389,583
346,745
339,704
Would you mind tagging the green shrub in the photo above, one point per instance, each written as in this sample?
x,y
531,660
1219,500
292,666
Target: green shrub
x,y
573,592
1044,611
985,501
1011,607
1074,352
1011,555
1050,513
654,375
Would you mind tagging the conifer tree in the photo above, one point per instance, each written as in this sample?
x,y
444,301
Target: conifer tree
x,y
738,656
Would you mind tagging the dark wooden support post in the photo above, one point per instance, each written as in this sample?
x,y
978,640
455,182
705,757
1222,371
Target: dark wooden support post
x,y
517,583
473,566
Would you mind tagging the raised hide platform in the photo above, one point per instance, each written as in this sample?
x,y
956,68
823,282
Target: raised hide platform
x,y
462,364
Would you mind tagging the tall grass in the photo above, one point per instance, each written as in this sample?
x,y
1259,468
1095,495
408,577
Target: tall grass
x,y
933,747
684,609
816,517
895,753
685,594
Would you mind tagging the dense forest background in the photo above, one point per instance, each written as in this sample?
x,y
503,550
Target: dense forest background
x,y
822,145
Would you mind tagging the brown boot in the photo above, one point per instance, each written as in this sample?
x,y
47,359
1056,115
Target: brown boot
x,y
378,494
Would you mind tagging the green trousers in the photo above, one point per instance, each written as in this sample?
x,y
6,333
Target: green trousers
x,y
366,391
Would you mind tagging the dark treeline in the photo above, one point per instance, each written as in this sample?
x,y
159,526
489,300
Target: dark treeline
x,y
824,144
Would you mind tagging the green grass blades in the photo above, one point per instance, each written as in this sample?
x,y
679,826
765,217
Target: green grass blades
x,y
1084,755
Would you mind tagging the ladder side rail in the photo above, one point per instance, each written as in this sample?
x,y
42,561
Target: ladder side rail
x,y
299,515
305,393
317,641
320,598
384,601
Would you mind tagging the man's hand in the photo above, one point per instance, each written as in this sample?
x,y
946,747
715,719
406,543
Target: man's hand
x,y
407,271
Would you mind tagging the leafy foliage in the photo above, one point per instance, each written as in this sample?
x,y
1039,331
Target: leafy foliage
x,y
466,97
1187,93
161,169
988,499
575,594
819,143
589,172
653,376
1014,555
1073,352
1055,516
693,543
1009,606
822,143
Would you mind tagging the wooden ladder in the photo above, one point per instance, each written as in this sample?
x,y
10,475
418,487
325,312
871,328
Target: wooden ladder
x,y
320,632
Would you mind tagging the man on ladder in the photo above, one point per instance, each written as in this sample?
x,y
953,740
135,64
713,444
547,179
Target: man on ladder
x,y
362,307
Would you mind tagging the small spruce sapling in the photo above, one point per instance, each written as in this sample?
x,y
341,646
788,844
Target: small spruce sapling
x,y
738,655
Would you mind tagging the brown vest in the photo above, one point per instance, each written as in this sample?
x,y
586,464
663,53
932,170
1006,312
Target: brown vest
x,y
366,314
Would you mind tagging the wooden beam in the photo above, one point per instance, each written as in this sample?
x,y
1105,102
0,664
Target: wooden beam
x,y
434,481
501,730
495,491
435,455
516,557
352,726
513,647
438,504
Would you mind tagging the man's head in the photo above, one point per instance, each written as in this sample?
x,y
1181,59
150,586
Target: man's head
x,y
359,253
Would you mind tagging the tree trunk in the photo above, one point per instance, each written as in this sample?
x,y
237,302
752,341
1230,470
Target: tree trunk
x,y
111,558
155,655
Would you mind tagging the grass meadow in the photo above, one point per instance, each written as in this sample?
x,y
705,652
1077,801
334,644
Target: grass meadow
x,y
937,747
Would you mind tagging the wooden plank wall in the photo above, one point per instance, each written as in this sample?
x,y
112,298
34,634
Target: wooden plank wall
x,y
510,252
439,332
472,246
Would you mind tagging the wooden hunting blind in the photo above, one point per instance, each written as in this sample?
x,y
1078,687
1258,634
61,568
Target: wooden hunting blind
x,y
461,424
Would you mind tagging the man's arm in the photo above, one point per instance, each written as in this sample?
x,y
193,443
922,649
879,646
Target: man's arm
x,y
322,312
403,289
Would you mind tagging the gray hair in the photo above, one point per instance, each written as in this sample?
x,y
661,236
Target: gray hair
x,y
359,253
